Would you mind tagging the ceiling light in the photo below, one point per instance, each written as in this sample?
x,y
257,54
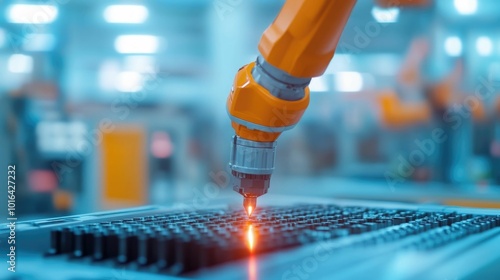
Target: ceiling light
x,y
484,46
126,14
136,44
348,81
32,14
453,46
129,81
108,73
19,63
139,63
385,15
318,84
465,7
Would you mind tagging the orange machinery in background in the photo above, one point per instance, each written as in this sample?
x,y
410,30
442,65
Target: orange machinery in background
x,y
124,167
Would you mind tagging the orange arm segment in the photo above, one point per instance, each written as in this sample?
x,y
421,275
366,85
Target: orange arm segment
x,y
300,42
304,36
396,114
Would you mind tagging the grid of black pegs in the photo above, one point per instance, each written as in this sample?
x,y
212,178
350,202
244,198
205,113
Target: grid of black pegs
x,y
188,241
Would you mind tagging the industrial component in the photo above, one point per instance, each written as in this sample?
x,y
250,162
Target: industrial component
x,y
252,164
184,242
270,95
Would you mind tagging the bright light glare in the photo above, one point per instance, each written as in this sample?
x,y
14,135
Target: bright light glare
x,y
136,44
318,85
484,46
108,73
385,15
453,46
250,238
249,210
139,63
161,146
33,14
465,7
348,81
126,14
19,63
39,42
129,81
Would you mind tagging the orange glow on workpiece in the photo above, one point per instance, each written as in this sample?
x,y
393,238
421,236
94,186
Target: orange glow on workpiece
x,y
250,238
252,261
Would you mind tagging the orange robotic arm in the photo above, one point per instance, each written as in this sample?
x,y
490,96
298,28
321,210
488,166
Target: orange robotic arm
x,y
304,36
270,95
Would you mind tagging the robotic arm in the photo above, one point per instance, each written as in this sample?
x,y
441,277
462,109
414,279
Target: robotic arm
x,y
270,95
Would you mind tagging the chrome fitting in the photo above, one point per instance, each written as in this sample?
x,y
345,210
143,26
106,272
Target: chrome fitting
x,y
278,82
252,157
252,164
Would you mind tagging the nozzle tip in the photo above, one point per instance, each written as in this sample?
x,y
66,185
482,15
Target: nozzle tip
x,y
249,210
249,204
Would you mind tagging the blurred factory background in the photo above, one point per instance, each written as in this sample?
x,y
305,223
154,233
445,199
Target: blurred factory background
x,y
109,104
